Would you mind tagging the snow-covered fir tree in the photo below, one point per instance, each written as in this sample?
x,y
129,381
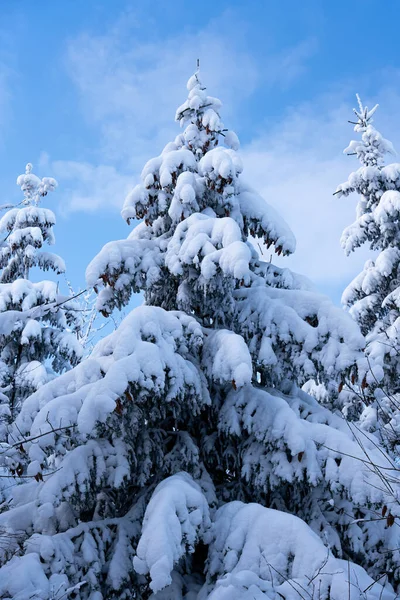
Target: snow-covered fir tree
x,y
181,461
37,324
373,297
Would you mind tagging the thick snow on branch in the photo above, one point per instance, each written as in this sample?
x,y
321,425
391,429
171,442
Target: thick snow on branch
x,y
289,440
143,368
122,268
30,216
35,338
262,220
176,518
158,177
297,332
226,358
146,353
220,163
44,571
378,226
263,554
24,579
372,147
187,191
303,439
207,243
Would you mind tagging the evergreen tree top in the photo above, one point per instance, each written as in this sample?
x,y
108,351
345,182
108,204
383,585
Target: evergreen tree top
x,y
33,187
189,196
364,115
372,147
27,228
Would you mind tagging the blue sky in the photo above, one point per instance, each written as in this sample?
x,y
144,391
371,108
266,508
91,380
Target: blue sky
x,y
88,92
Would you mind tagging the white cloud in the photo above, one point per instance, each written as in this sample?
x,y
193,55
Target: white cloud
x,y
85,187
131,87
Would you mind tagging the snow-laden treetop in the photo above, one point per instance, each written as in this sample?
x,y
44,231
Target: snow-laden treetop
x,y
33,187
194,204
192,253
373,146
26,229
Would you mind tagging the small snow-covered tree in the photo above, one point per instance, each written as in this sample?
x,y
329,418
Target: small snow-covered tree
x,y
187,463
373,297
37,323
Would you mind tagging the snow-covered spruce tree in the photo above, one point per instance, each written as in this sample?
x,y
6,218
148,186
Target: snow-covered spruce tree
x,y
37,325
186,462
373,297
